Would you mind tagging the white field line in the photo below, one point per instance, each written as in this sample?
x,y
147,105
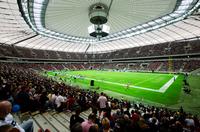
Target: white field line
x,y
166,85
161,90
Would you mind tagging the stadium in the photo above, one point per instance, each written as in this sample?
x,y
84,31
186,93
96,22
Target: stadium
x,y
99,65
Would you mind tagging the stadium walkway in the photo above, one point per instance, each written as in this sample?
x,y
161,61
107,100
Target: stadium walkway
x,y
54,121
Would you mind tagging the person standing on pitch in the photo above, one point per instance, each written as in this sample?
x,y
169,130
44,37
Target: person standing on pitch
x,y
128,85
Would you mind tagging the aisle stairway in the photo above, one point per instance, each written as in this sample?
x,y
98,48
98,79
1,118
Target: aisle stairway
x,y
56,122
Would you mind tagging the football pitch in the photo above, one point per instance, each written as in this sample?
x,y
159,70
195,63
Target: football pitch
x,y
164,89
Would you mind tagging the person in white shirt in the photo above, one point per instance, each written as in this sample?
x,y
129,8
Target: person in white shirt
x,y
102,100
59,100
7,119
52,98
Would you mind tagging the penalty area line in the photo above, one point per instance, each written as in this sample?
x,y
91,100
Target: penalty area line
x,y
166,85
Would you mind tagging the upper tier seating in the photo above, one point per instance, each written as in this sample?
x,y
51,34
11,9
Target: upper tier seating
x,y
173,48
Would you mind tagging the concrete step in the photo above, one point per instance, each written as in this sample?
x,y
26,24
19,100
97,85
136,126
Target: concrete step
x,y
35,126
82,115
54,122
62,120
66,115
44,123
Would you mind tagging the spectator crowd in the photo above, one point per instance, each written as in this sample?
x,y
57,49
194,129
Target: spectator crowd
x,y
33,92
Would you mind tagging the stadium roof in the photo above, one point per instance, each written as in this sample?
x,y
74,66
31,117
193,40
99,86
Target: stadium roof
x,y
61,25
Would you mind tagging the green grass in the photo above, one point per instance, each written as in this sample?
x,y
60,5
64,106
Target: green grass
x,y
112,82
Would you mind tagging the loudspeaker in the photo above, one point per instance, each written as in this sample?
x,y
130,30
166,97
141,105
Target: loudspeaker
x,y
92,83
